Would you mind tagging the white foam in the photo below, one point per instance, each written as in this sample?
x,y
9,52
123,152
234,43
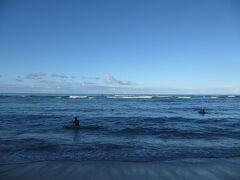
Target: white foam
x,y
231,96
213,97
129,97
91,97
76,97
184,97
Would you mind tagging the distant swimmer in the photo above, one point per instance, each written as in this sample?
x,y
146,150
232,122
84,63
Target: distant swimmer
x,y
202,111
76,122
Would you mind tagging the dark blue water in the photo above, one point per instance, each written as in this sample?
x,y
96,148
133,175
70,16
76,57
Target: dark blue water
x,y
119,128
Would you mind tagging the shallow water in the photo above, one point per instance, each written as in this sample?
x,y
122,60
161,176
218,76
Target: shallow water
x,y
119,127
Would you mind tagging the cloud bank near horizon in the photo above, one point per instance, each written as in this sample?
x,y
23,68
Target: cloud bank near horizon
x,y
88,88
41,82
58,82
42,77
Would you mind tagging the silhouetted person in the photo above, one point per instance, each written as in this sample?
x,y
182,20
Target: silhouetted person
x,y
202,111
76,122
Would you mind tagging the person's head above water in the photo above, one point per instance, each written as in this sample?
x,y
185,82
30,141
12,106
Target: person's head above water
x,y
75,118
202,111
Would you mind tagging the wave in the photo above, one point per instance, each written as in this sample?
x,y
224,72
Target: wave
x,y
129,97
184,97
152,131
91,127
175,132
77,97
83,127
118,96
163,96
27,144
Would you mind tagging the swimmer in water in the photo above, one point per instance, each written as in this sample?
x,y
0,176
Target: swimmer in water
x,y
76,122
202,111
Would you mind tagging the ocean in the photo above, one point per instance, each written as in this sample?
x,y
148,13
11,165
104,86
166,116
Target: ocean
x,y
136,128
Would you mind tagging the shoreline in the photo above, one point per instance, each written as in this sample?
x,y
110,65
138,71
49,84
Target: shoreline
x,y
105,170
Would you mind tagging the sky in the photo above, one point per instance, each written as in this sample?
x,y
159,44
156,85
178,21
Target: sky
x,y
120,46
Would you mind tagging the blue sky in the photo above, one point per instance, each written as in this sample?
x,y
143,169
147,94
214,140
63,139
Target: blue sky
x,y
120,46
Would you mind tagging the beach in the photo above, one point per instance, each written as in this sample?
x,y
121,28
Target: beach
x,y
219,169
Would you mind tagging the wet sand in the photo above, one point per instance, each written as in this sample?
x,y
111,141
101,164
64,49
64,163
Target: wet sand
x,y
184,169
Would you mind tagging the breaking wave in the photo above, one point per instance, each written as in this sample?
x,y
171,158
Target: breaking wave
x,y
77,97
184,97
129,97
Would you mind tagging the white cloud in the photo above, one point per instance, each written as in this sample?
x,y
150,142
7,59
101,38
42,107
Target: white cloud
x,y
109,79
35,75
19,79
90,78
88,83
124,82
48,82
59,76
